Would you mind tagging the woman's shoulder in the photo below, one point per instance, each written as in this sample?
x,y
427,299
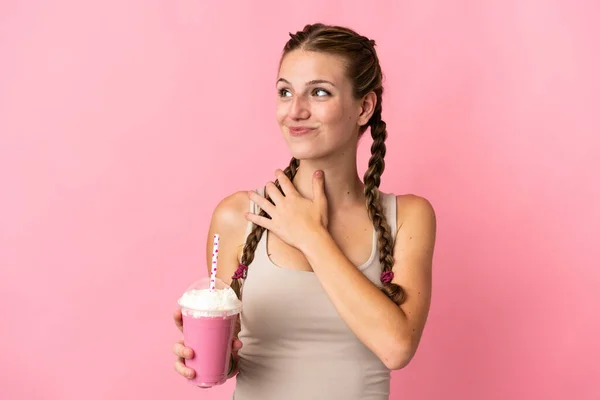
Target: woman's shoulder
x,y
413,209
229,212
413,201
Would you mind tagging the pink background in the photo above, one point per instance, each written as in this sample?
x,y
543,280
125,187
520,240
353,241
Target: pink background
x,y
122,123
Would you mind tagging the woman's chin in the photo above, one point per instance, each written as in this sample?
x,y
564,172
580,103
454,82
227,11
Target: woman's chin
x,y
306,154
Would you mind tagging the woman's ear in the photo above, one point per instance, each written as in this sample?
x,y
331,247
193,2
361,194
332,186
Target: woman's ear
x,y
367,105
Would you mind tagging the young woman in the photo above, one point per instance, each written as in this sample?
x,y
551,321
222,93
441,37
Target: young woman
x,y
334,275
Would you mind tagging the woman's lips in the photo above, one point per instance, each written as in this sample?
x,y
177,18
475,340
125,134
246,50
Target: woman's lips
x,y
300,130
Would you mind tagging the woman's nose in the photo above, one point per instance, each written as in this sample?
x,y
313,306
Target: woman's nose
x,y
299,109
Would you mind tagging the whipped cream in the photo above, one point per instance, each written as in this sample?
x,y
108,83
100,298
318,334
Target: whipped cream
x,y
204,303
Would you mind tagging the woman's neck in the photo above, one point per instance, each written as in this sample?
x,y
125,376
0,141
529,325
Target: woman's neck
x,y
343,186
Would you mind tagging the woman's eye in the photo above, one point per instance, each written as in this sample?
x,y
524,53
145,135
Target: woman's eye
x,y
284,93
321,92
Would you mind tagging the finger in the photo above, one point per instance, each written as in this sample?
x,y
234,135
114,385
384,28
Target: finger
x,y
180,350
183,370
286,185
236,345
262,202
319,188
258,220
178,318
274,193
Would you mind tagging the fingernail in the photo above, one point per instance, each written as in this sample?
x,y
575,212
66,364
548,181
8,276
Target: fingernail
x,y
318,173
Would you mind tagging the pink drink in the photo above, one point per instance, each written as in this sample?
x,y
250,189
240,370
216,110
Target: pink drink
x,y
210,337
209,322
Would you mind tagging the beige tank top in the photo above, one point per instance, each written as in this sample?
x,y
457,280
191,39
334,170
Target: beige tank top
x,y
295,344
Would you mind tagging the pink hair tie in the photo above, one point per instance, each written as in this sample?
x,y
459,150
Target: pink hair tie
x,y
240,272
386,277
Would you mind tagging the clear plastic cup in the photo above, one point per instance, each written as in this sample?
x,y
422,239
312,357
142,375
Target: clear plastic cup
x,y
209,322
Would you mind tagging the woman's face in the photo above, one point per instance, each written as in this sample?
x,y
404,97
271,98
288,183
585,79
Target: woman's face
x,y
316,110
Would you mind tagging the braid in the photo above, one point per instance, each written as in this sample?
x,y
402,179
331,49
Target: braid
x,y
257,231
372,179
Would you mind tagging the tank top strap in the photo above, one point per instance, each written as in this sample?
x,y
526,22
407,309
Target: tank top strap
x,y
255,209
388,201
